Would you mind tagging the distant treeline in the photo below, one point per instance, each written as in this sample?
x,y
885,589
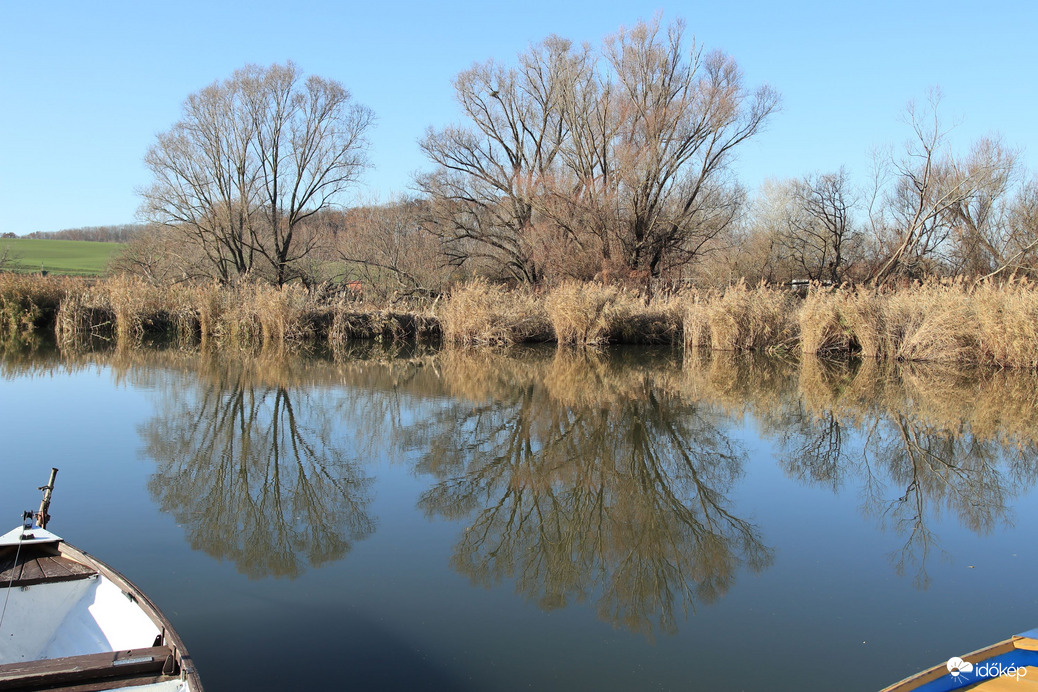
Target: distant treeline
x,y
122,233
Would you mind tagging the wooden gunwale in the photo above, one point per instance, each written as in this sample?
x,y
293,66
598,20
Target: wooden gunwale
x,y
170,638
918,679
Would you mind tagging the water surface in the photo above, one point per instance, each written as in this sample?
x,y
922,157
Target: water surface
x,y
630,519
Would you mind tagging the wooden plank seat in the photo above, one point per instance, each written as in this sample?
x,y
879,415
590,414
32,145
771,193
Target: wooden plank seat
x,y
39,565
79,671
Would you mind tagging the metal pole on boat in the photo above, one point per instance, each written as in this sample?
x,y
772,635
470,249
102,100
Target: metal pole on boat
x,y
41,516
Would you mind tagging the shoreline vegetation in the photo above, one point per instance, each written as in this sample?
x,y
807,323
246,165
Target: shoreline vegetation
x,y
983,323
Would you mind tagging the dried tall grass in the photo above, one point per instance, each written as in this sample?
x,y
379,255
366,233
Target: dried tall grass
x,y
941,322
944,322
482,314
632,320
823,327
282,314
140,308
29,302
80,319
742,319
1007,318
205,306
351,322
580,312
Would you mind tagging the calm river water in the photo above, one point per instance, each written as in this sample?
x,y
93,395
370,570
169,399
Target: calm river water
x,y
539,519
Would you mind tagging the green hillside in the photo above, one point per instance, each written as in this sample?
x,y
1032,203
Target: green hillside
x,y
73,257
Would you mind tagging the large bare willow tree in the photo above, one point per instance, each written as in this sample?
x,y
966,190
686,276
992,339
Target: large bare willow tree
x,y
251,160
489,175
622,153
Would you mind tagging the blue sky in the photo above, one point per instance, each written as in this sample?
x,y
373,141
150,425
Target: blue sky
x,y
85,87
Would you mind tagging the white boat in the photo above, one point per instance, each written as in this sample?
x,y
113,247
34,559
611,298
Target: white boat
x,y
70,622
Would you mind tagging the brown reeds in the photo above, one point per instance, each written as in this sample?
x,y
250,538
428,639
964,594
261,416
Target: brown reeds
x,y
945,322
483,314
634,320
275,314
351,323
1007,321
935,321
29,302
580,312
79,320
741,318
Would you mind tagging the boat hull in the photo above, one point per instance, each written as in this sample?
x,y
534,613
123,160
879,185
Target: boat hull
x,y
69,619
991,668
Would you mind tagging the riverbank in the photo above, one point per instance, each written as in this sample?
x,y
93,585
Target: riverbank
x,y
946,322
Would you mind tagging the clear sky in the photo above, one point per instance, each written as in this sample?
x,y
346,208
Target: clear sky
x,y
86,86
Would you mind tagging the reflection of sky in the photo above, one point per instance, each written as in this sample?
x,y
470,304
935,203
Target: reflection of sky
x,y
394,610
85,425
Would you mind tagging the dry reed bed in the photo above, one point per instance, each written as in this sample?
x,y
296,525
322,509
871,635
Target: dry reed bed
x,y
131,311
582,314
592,314
954,322
483,314
29,302
941,322
741,318
944,322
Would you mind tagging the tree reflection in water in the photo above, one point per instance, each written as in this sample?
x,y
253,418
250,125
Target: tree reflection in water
x,y
255,471
587,480
936,440
582,477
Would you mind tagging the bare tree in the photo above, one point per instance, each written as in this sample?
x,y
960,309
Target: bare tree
x,y
1022,220
681,116
389,250
916,216
253,158
621,152
157,255
750,247
815,228
988,237
488,177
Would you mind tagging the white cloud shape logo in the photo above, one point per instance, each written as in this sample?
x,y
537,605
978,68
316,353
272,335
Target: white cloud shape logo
x,y
956,665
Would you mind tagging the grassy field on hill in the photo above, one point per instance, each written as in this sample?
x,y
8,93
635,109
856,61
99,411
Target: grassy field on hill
x,y
71,257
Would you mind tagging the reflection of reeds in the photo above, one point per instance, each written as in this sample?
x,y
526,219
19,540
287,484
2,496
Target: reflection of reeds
x,y
991,405
566,377
738,383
